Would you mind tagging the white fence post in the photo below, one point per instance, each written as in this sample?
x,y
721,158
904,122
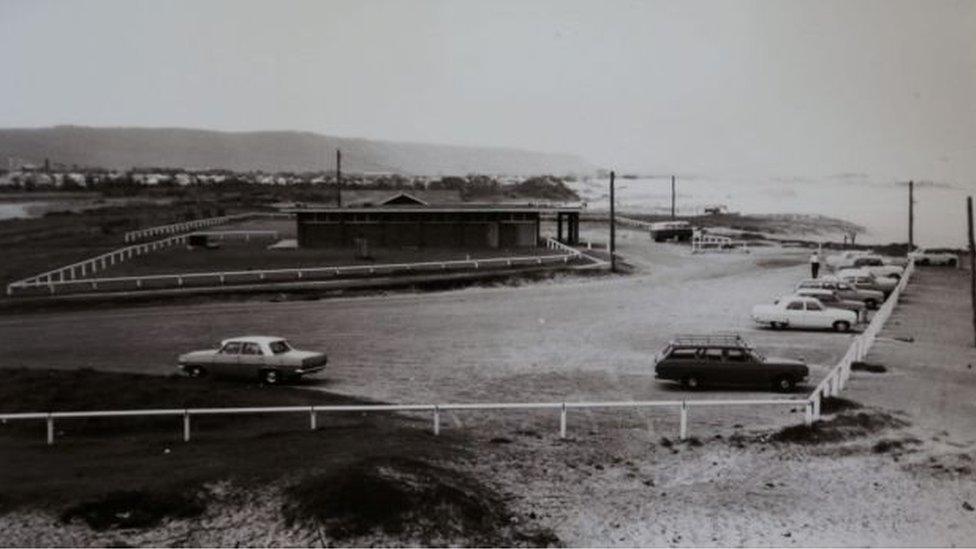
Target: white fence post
x,y
50,429
683,433
186,426
562,422
311,418
808,413
437,420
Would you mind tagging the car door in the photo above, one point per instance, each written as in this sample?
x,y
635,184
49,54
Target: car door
x,y
794,314
713,366
251,360
739,367
225,360
817,315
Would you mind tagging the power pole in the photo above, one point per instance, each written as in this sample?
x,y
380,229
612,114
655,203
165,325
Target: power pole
x,y
613,229
338,178
911,216
672,197
972,261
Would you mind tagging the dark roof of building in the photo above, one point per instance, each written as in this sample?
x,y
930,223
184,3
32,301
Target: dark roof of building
x,y
357,198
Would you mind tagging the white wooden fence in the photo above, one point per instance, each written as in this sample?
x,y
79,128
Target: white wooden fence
x,y
701,243
76,276
80,271
682,406
187,226
837,378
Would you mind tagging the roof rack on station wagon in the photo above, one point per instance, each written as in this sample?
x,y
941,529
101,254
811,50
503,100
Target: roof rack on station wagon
x,y
720,339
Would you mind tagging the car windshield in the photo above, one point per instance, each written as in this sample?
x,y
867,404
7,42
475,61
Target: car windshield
x,y
278,347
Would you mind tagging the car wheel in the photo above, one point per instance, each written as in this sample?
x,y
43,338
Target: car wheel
x,y
784,384
691,382
195,371
842,326
270,377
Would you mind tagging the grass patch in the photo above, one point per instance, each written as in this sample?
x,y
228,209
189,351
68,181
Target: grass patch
x,y
409,499
147,455
134,509
832,405
842,427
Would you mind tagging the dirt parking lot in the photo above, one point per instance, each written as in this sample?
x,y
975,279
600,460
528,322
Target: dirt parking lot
x,y
571,339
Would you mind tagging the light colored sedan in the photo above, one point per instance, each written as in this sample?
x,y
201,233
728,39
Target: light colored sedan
x,y
862,278
871,298
803,312
830,299
268,359
925,257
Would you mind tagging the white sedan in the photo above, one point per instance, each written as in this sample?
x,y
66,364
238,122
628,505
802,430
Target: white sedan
x,y
267,359
803,312
925,257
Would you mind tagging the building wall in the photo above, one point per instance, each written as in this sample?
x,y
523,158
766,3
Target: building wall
x,y
450,230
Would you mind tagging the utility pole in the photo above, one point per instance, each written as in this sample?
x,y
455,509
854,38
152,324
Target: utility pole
x,y
911,216
613,229
338,178
972,261
672,197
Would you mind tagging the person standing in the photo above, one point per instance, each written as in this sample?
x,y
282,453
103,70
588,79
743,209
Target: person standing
x,y
814,264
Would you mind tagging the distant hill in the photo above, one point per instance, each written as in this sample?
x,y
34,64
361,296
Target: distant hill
x,y
122,148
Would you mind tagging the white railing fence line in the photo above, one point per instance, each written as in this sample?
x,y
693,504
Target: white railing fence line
x,y
701,243
246,235
299,273
186,226
838,376
628,221
554,244
436,410
79,271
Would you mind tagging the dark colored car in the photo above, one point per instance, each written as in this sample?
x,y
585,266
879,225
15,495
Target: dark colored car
x,y
696,361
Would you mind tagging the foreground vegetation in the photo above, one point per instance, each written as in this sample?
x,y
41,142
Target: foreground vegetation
x,y
356,478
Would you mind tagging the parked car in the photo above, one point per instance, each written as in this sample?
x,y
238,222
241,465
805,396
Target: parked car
x,y
803,312
830,299
863,278
268,359
871,298
925,257
874,264
699,360
842,259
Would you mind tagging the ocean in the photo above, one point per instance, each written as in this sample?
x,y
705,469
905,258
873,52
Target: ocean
x,y
880,206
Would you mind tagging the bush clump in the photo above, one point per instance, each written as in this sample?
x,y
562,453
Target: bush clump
x,y
134,509
413,501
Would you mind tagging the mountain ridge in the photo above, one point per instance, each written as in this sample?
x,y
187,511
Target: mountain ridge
x,y
274,150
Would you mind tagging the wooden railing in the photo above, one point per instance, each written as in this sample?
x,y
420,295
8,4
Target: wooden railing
x,y
838,376
683,407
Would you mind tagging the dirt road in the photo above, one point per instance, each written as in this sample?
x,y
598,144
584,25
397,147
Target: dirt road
x,y
570,339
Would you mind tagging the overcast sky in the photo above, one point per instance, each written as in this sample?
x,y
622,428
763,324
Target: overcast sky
x,y
767,88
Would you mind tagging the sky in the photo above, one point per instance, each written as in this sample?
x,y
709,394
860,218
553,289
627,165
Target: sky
x,y
777,88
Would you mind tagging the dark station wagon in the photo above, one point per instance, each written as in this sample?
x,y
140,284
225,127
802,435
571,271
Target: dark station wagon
x,y
725,359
